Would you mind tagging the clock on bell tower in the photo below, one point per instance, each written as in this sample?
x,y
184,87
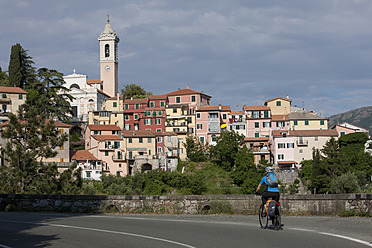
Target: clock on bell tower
x,y
108,59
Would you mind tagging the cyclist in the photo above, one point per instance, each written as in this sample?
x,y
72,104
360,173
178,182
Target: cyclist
x,y
272,186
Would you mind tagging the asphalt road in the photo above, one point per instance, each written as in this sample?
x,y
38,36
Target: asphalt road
x,y
67,230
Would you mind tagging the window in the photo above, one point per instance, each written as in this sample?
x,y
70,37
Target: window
x,y
280,123
224,116
137,106
178,99
130,155
20,96
256,114
301,151
174,110
152,104
316,138
107,50
266,114
149,152
159,139
201,139
284,134
281,145
266,124
189,119
278,103
149,140
88,174
126,117
342,133
114,104
126,106
213,115
160,150
136,116
169,138
157,121
306,123
180,150
256,135
162,104
198,115
115,132
295,122
106,153
158,130
290,145
159,113
214,138
147,121
256,124
193,98
199,126
153,113
280,156
130,140
140,140
180,140
322,122
4,95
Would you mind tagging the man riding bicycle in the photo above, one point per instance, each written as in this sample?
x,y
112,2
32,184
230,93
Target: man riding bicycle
x,y
272,186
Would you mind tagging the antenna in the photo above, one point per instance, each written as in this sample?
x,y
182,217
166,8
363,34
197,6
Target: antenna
x,y
108,18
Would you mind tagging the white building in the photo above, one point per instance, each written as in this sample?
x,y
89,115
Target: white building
x,y
90,165
87,94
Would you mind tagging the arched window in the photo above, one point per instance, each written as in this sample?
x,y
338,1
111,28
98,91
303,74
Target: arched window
x,y
74,86
107,50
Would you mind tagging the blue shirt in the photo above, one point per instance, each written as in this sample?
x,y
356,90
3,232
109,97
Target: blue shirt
x,y
264,181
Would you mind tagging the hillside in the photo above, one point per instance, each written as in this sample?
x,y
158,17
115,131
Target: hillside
x,y
361,117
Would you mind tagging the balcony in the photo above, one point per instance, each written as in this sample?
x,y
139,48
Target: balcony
x,y
302,143
118,158
175,124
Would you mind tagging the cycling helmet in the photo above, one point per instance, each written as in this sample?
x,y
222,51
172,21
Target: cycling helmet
x,y
269,169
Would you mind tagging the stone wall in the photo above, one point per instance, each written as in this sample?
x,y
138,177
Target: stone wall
x,y
192,204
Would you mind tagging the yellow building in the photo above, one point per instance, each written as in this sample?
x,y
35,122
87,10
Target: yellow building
x,y
279,105
10,99
302,120
111,114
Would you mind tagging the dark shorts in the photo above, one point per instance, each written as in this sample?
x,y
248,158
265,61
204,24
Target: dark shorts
x,y
273,195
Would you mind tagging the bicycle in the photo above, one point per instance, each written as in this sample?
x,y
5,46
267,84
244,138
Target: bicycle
x,y
264,218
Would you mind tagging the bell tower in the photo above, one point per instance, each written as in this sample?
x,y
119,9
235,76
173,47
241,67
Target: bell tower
x,y
108,59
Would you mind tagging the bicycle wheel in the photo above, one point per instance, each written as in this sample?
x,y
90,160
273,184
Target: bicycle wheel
x,y
277,221
263,218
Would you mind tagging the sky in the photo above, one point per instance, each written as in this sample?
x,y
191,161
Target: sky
x,y
240,52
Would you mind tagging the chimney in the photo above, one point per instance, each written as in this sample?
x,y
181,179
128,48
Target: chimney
x,y
187,87
133,133
287,96
219,107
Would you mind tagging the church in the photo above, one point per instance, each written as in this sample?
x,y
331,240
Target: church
x,y
89,95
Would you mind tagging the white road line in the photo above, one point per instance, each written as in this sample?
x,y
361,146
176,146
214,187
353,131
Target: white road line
x,y
101,230
336,235
4,246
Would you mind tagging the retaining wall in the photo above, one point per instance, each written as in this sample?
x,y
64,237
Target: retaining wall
x,y
188,204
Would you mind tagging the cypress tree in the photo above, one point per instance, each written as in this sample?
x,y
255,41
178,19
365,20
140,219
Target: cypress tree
x,y
16,77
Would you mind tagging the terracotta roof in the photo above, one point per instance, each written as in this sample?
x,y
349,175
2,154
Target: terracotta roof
x,y
16,90
276,98
255,139
56,123
310,133
214,108
103,127
96,81
141,100
253,108
83,155
137,133
100,91
107,137
279,118
186,92
165,134
236,112
302,115
158,97
287,162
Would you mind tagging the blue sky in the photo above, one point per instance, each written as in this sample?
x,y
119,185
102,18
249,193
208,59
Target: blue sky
x,y
318,52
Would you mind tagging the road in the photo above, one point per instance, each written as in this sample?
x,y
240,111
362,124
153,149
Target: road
x,y
72,230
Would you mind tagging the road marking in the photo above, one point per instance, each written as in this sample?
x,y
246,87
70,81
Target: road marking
x,y
335,235
101,230
4,246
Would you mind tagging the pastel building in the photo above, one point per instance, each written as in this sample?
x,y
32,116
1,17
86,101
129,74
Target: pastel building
x,y
237,122
302,120
258,119
260,147
279,105
11,98
347,128
111,113
167,148
209,121
90,165
134,114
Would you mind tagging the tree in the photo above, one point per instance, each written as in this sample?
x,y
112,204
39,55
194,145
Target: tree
x,y
224,152
135,91
48,96
3,78
21,70
30,139
195,151
344,184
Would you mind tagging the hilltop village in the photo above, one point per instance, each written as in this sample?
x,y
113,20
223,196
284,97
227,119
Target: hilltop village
x,y
122,136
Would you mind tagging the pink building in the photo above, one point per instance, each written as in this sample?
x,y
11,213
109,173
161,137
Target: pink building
x,y
208,122
258,119
346,128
